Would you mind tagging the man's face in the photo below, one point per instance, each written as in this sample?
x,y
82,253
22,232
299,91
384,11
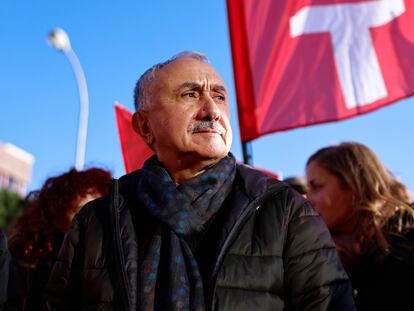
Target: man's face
x,y
188,116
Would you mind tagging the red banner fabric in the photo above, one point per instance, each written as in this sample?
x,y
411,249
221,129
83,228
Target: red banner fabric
x,y
303,62
134,150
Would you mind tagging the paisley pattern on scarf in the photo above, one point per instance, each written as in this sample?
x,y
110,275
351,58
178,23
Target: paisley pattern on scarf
x,y
170,278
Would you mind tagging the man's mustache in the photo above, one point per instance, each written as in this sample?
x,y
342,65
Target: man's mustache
x,y
213,125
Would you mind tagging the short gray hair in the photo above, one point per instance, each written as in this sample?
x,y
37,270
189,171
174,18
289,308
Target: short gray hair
x,y
141,96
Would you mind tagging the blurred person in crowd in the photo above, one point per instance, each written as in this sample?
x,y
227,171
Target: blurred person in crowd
x,y
36,237
4,270
366,210
298,183
8,294
193,230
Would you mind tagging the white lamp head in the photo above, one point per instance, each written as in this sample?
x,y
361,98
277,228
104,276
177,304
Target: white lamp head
x,y
59,39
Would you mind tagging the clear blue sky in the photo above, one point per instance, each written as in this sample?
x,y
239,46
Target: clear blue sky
x,y
116,42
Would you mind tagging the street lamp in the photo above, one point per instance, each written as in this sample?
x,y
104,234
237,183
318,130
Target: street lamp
x,y
59,39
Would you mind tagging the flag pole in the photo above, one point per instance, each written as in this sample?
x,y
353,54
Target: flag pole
x,y
247,152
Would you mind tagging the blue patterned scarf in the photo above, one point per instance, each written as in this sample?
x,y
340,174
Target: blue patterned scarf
x,y
170,278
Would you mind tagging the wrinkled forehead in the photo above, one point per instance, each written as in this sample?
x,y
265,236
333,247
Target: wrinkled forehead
x,y
187,70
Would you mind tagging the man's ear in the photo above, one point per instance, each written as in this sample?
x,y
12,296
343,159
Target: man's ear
x,y
140,124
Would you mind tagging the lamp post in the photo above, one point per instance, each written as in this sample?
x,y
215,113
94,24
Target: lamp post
x,y
58,39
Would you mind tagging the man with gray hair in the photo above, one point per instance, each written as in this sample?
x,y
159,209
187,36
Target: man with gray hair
x,y
193,229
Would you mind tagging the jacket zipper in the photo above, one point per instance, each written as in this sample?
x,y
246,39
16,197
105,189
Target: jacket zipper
x,y
236,228
120,261
252,208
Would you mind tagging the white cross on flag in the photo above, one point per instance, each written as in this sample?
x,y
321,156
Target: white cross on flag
x,y
298,63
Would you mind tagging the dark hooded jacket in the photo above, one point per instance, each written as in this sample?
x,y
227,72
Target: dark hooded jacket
x,y
272,252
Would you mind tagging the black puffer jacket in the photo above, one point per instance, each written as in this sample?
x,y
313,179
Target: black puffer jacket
x,y
275,253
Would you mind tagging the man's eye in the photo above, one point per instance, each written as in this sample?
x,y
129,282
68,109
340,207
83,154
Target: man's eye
x,y
190,94
219,97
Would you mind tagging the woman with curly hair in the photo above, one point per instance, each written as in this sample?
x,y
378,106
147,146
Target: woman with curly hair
x,y
366,210
36,237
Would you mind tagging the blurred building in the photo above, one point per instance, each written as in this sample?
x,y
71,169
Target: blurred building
x,y
15,168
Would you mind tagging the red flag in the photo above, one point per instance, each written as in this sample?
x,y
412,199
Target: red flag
x,y
134,150
298,63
